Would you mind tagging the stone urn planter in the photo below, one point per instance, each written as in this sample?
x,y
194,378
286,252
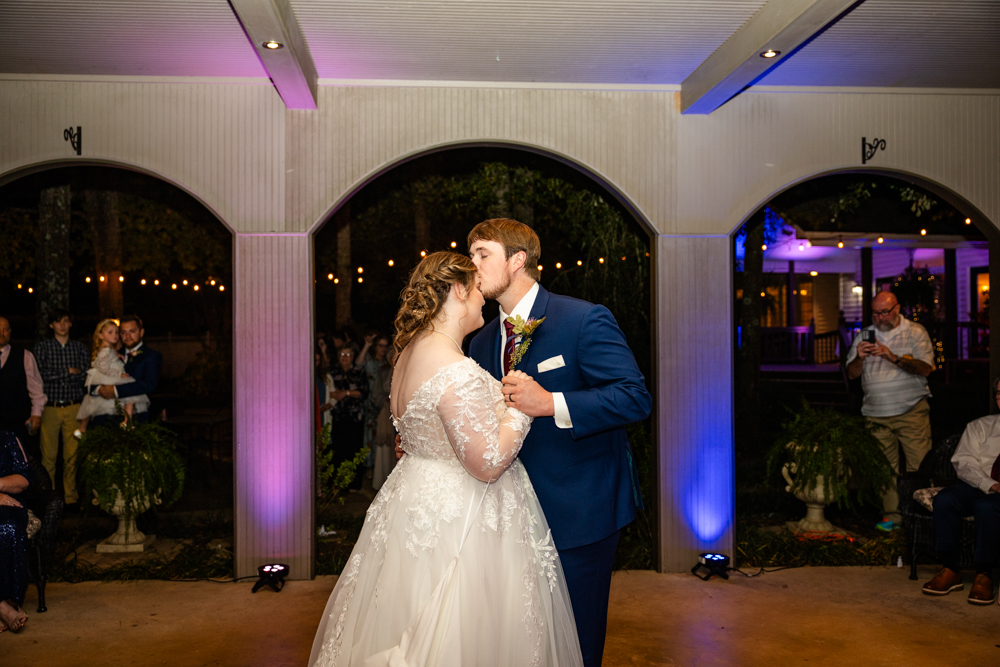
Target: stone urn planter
x,y
815,500
128,538
118,464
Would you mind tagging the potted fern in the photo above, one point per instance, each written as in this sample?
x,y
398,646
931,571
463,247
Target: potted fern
x,y
128,468
834,458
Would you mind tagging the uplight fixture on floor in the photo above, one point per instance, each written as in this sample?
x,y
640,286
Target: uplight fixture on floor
x,y
715,564
273,575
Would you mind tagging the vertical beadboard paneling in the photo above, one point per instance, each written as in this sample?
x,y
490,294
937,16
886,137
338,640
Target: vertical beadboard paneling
x,y
224,144
733,160
274,403
623,137
695,399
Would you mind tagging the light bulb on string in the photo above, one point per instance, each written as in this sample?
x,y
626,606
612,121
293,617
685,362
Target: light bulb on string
x,y
195,288
142,282
601,260
454,245
558,265
184,282
121,279
156,282
87,279
30,290
173,286
579,262
222,288
360,279
763,246
329,276
102,279
392,263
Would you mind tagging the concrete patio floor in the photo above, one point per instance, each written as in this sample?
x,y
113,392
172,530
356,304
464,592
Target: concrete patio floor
x,y
808,616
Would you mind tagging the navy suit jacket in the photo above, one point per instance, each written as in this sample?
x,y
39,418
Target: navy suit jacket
x,y
584,476
144,367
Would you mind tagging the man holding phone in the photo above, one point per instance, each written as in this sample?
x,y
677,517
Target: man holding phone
x,y
893,357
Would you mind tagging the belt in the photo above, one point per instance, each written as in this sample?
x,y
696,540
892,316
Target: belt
x,y
60,404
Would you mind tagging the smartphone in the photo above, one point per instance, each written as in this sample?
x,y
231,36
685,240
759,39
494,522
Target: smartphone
x,y
868,335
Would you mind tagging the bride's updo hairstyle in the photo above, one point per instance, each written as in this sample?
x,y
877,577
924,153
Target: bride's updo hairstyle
x,y
422,298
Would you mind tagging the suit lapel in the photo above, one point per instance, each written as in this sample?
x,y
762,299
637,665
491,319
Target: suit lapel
x,y
537,313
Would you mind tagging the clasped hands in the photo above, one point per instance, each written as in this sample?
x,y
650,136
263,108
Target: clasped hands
x,y
522,392
866,349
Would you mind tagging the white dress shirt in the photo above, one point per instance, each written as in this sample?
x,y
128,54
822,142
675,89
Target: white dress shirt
x,y
977,451
523,308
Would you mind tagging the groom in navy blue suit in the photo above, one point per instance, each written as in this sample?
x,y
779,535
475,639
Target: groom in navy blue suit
x,y
142,363
585,387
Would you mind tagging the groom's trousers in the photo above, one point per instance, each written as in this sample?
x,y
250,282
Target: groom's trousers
x,y
588,577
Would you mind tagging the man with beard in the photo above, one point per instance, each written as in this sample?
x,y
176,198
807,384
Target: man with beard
x,y
893,357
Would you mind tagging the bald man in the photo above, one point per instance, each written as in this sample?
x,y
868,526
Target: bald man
x,y
893,369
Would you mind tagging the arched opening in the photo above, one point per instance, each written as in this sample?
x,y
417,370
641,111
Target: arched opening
x,y
807,264
595,246
103,240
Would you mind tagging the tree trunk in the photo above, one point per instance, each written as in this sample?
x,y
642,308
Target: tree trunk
x,y
101,211
422,227
52,274
345,276
748,386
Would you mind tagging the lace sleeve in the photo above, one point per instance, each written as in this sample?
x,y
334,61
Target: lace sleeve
x,y
485,434
108,363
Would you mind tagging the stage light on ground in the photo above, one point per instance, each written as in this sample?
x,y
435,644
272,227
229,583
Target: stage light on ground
x,y
814,273
272,575
713,563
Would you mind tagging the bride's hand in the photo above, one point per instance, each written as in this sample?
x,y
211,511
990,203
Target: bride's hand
x,y
522,392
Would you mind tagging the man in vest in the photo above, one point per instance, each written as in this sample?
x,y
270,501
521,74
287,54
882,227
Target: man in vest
x,y
21,397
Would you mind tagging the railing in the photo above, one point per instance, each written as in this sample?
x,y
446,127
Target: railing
x,y
973,340
787,345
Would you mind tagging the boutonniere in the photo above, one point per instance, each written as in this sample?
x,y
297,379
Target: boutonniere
x,y
523,329
135,353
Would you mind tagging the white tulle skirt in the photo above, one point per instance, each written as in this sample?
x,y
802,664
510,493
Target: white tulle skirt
x,y
413,595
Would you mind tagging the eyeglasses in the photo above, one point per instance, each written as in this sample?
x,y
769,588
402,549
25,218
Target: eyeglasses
x,y
883,313
347,354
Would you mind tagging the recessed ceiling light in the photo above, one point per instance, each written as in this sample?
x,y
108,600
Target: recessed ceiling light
x,y
273,45
770,53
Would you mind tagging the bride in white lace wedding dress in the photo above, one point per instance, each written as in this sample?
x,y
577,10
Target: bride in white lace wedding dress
x,y
455,564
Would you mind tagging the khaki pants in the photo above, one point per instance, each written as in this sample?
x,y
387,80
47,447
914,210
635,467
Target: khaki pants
x,y
912,430
52,420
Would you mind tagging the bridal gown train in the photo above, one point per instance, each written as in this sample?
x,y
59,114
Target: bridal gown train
x,y
441,573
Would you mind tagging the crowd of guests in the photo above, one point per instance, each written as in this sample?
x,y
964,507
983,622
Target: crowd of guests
x,y
57,392
352,386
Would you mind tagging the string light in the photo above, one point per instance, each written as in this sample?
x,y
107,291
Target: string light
x,y
579,262
539,267
361,269
156,282
360,279
30,290
336,281
814,273
102,279
184,282
19,286
601,260
87,279
968,221
762,294
802,246
392,263
558,265
195,288
212,283
923,232
454,245
623,259
423,253
763,246
174,286
329,276
840,243
881,240
222,288
142,282
121,279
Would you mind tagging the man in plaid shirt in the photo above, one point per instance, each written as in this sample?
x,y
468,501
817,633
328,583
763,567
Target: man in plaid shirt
x,y
63,364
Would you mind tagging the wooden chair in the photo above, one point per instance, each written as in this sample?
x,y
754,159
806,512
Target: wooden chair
x,y
48,506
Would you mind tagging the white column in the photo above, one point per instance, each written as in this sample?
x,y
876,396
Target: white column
x,y
694,422
274,417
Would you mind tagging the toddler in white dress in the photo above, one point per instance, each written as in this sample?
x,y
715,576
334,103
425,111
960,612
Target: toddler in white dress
x,y
107,368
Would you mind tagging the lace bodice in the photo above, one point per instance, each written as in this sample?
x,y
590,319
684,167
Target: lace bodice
x,y
460,413
108,363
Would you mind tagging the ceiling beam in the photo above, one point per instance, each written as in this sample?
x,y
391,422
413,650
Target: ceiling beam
x,y
780,25
291,67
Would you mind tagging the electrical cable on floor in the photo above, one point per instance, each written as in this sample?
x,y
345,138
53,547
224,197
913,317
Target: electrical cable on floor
x,y
762,570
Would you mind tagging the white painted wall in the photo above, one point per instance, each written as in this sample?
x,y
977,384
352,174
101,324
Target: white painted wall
x,y
265,170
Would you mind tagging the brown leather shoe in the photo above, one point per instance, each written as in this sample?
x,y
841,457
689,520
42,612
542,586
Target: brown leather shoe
x,y
946,581
982,590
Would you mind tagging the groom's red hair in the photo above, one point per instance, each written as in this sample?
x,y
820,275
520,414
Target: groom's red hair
x,y
515,237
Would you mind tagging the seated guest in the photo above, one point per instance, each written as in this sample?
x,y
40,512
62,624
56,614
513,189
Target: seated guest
x,y
14,474
977,493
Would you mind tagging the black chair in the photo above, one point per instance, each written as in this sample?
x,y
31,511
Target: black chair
x,y
48,506
935,470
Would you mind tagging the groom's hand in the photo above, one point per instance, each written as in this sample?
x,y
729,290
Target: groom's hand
x,y
523,393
